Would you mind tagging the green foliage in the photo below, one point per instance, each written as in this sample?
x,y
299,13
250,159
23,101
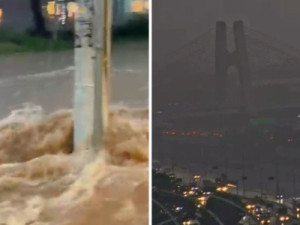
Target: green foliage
x,y
13,42
163,181
136,28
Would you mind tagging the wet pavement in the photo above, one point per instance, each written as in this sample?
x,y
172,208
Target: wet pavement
x,y
46,79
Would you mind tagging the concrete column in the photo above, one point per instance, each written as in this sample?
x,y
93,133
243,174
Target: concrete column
x,y
102,27
221,59
92,69
242,64
84,76
239,58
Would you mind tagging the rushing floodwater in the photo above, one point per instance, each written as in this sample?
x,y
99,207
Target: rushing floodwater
x,y
42,182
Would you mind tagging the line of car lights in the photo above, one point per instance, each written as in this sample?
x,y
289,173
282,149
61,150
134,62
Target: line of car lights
x,y
261,214
174,132
192,133
178,209
264,216
203,197
188,222
298,212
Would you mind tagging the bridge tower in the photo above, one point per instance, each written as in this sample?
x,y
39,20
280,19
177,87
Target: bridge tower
x,y
238,58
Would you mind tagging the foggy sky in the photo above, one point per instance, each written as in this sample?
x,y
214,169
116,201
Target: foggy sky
x,y
175,22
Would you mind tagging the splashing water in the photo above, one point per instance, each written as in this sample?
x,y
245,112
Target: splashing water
x,y
43,183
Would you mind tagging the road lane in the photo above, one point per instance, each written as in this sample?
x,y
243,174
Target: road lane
x,y
46,79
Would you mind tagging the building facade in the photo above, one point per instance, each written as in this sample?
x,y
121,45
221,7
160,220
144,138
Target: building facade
x,y
17,15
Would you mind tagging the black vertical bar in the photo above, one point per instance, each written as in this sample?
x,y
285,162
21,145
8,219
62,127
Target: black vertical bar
x,y
261,182
294,184
221,59
243,173
243,67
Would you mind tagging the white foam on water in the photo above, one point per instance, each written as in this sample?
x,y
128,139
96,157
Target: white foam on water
x,y
61,72
42,183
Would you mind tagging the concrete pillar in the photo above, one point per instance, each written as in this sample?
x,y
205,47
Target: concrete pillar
x,y
92,69
242,63
221,60
84,87
239,58
103,24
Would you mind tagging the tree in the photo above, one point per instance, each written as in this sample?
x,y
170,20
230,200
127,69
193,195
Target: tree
x,y
38,19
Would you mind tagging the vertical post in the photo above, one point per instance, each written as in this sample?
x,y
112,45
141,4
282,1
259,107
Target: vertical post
x,y
225,158
221,59
244,178
277,179
277,172
204,163
157,143
241,58
261,182
92,63
267,189
172,165
294,184
244,188
102,27
84,77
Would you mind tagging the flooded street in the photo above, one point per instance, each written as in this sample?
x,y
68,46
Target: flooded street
x,y
41,183
46,79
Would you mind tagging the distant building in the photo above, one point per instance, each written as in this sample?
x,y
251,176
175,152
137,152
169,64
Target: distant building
x,y
16,14
124,10
184,174
63,11
177,171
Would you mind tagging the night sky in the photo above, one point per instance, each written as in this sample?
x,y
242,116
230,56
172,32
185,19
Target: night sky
x,y
184,90
175,22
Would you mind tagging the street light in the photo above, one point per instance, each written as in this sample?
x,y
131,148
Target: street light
x,y
214,168
244,178
294,184
261,182
271,178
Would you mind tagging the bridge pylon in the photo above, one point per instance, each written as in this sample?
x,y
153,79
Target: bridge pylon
x,y
239,59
